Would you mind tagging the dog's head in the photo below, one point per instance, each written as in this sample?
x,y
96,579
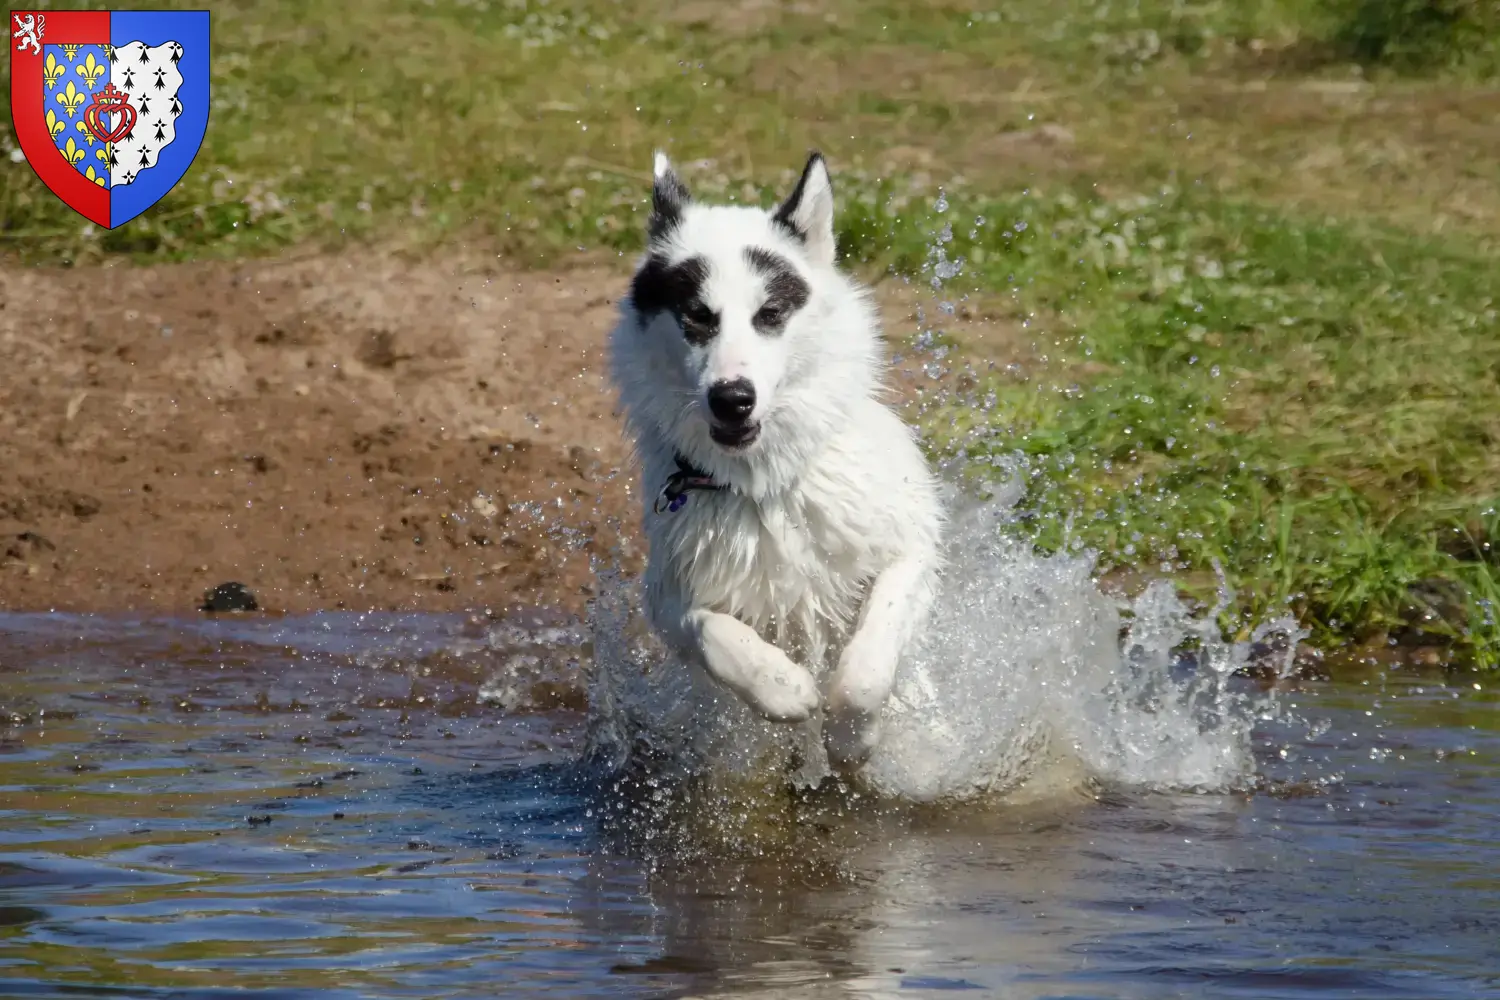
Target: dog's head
x,y
727,302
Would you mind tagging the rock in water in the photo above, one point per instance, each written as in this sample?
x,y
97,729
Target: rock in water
x,y
229,597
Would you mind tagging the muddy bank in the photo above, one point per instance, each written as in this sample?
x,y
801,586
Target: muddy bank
x,y
353,432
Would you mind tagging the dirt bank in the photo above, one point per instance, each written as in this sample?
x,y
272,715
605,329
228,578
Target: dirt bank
x,y
359,432
354,432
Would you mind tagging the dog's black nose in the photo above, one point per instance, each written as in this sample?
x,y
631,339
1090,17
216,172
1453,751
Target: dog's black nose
x,y
732,402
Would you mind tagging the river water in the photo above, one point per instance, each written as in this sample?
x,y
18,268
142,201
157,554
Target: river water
x,y
403,806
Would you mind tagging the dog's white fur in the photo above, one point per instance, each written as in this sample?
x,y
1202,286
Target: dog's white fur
x,y
824,549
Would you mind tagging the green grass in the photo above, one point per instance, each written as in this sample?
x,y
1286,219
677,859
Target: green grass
x,y
528,124
1418,34
1280,357
1400,36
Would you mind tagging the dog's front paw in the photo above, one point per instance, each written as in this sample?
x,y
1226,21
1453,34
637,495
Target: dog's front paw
x,y
782,692
850,735
856,699
771,684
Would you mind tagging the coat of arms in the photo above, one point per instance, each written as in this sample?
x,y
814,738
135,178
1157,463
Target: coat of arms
x,y
110,107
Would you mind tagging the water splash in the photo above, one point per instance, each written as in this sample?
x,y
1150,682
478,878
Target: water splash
x,y
1028,669
1028,664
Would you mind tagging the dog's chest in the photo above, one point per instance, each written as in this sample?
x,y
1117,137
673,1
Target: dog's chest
x,y
792,567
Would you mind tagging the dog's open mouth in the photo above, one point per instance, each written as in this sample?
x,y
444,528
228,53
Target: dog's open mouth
x,y
734,435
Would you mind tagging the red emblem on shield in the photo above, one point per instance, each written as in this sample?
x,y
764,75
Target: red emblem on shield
x,y
109,101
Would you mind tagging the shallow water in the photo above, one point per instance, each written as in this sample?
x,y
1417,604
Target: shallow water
x,y
330,806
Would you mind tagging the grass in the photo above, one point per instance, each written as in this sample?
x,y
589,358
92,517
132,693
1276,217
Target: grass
x,y
1418,34
528,125
1260,318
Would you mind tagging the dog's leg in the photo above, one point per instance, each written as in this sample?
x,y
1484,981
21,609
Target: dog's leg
x,y
895,608
734,655
769,682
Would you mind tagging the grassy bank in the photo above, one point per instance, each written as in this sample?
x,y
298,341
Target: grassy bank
x,y
1245,247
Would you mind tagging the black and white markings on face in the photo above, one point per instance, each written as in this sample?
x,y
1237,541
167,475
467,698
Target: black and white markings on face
x,y
677,288
785,289
660,286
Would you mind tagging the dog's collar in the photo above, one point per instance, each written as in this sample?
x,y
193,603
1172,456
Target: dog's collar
x,y
688,477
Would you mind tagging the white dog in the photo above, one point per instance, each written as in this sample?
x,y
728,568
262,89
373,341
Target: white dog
x,y
793,523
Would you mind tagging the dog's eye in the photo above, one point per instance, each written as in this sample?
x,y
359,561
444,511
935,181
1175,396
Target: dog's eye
x,y
699,323
770,316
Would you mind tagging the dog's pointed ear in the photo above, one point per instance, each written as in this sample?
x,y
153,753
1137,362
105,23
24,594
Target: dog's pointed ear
x,y
808,212
669,196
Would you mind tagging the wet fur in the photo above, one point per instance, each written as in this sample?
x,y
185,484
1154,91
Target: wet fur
x,y
800,586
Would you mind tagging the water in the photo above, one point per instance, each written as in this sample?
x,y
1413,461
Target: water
x,y
329,806
1024,678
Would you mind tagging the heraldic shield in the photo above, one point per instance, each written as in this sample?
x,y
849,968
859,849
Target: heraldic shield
x,y
110,107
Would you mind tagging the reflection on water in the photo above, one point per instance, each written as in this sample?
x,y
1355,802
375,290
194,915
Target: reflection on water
x,y
382,806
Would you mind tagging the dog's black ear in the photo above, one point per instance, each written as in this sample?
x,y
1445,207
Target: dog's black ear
x,y
669,196
808,212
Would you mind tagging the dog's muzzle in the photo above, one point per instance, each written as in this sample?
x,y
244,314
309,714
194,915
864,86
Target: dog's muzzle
x,y
731,402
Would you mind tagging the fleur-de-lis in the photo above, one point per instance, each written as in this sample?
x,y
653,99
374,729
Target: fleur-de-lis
x,y
83,130
70,99
91,70
55,124
51,70
72,152
96,178
71,51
